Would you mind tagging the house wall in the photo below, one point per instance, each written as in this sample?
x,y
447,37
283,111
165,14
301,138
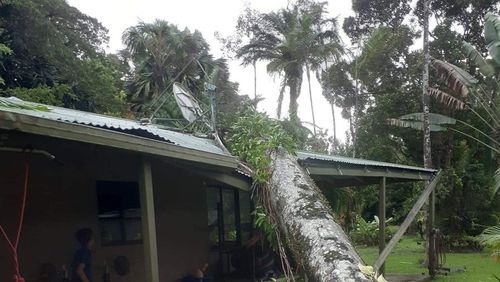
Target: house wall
x,y
62,199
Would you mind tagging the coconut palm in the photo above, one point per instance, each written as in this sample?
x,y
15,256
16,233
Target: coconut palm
x,y
290,40
320,42
274,38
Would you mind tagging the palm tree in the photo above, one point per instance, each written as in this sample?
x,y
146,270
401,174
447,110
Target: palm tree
x,y
320,41
337,87
273,38
160,53
291,40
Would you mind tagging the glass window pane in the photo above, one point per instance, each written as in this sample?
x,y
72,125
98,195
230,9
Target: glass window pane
x,y
229,215
245,215
119,212
110,231
133,229
212,201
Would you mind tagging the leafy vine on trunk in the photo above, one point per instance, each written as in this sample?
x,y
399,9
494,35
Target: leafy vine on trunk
x,y
252,138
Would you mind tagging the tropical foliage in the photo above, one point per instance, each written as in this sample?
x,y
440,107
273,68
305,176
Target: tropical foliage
x,y
366,232
161,54
468,94
383,77
52,53
491,238
63,47
290,40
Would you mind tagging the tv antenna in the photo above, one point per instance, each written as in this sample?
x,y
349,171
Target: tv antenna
x,y
189,106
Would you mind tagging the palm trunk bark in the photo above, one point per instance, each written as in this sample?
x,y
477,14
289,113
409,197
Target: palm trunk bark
x,y
306,221
354,121
280,99
293,107
255,83
310,97
351,129
332,104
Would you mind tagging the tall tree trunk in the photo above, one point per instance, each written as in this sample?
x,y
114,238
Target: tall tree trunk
x,y
310,97
354,117
331,98
308,226
280,99
351,129
427,139
255,83
425,89
295,85
332,104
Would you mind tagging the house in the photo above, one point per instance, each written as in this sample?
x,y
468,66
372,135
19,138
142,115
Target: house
x,y
166,201
149,194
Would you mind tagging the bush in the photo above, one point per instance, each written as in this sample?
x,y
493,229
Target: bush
x,y
55,95
366,232
461,243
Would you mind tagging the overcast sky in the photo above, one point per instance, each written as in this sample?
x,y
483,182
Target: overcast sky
x,y
210,16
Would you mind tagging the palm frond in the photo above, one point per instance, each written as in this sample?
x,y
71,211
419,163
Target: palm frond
x,y
434,119
19,104
496,182
491,238
446,99
477,60
418,125
456,78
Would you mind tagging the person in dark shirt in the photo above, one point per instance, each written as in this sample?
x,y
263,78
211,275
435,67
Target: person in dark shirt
x,y
82,260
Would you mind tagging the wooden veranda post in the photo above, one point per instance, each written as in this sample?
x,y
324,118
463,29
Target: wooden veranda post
x,y
381,217
148,221
430,235
406,223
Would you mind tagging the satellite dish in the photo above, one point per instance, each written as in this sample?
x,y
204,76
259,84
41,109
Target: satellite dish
x,y
188,105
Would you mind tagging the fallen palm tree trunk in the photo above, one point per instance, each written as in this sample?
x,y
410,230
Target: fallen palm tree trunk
x,y
306,221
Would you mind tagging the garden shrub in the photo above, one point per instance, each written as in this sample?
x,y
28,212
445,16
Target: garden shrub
x,y
366,232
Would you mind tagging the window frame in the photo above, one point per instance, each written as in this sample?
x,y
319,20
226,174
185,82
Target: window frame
x,y
121,219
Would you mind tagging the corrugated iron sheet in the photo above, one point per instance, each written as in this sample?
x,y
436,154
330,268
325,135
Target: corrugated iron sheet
x,y
304,156
112,123
151,131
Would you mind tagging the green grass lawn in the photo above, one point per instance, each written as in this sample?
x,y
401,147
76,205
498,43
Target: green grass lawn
x,y
408,254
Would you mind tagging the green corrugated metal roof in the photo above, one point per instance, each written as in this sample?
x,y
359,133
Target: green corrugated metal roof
x,y
131,127
307,156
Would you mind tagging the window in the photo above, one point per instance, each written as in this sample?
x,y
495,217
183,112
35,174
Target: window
x,y
229,218
119,212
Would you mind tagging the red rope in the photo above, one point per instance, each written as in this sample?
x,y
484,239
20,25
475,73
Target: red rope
x,y
13,246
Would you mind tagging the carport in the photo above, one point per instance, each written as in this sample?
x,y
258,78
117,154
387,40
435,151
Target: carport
x,y
338,171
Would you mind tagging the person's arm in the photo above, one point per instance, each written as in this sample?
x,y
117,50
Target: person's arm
x,y
81,274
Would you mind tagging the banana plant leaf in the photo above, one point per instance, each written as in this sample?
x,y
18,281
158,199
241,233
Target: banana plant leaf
x,y
446,99
456,78
492,35
435,119
418,125
496,182
477,60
